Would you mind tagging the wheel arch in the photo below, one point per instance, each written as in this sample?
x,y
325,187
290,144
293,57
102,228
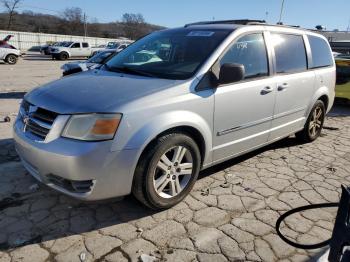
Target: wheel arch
x,y
16,55
192,132
323,94
325,100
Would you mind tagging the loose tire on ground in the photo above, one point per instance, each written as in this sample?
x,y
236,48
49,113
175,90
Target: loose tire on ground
x,y
150,171
314,123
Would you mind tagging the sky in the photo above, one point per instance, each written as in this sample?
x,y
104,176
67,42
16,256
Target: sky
x,y
306,13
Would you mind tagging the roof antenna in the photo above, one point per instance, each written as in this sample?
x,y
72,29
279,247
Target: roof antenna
x,y
280,20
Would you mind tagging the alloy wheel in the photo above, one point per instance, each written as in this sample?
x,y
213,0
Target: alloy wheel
x,y
315,124
173,172
12,59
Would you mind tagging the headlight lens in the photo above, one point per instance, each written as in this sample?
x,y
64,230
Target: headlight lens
x,y
92,127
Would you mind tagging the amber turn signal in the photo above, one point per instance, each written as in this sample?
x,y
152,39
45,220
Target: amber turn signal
x,y
105,126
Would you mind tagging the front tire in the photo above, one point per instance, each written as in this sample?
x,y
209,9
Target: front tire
x,y
11,59
63,56
167,171
313,126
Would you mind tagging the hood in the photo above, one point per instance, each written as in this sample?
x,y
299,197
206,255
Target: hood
x,y
95,91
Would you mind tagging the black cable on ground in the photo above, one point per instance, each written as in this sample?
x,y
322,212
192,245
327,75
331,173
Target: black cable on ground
x,y
297,210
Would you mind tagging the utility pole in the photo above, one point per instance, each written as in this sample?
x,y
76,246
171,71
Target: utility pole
x,y
348,28
266,15
85,25
282,6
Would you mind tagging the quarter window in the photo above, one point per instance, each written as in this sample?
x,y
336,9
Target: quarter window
x,y
85,45
321,54
290,53
250,51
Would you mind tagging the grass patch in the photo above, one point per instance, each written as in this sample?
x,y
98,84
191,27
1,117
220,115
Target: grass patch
x,y
343,91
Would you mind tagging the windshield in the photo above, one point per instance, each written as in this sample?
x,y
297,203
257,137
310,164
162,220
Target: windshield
x,y
66,44
171,54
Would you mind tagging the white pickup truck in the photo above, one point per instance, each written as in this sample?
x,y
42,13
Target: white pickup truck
x,y
73,49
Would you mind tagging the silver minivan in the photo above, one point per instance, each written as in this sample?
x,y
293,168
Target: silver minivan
x,y
173,103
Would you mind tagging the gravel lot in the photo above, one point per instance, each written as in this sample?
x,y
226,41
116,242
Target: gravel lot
x,y
229,215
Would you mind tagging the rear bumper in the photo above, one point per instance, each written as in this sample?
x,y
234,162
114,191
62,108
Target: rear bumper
x,y
110,173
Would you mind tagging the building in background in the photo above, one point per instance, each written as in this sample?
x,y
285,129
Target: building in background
x,y
339,40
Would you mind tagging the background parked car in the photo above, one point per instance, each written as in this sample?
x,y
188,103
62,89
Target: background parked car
x,y
8,52
115,46
342,88
93,62
46,49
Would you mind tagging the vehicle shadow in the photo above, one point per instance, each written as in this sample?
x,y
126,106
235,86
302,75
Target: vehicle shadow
x,y
38,213
284,143
41,57
341,108
12,95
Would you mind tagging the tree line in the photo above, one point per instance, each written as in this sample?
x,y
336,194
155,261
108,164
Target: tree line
x,y
72,21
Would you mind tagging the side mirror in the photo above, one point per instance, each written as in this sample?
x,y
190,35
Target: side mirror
x,y
231,72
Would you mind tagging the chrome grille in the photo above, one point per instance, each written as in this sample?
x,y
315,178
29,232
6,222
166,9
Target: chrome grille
x,y
37,121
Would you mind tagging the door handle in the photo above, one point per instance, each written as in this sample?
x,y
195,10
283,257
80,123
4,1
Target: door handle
x,y
266,90
282,87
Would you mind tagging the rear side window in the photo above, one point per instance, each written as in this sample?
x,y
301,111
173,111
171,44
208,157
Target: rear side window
x,y
290,53
250,51
85,45
321,54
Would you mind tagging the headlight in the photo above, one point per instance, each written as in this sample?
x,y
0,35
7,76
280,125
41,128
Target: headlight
x,y
92,127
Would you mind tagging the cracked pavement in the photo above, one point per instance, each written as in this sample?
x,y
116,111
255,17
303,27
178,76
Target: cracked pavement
x,y
229,216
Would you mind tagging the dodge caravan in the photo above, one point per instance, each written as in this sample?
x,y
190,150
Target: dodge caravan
x,y
173,103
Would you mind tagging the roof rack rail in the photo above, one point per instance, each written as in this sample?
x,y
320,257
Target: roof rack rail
x,y
281,24
236,22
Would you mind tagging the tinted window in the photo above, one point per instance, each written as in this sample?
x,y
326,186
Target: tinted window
x,y
76,45
290,53
250,51
321,54
85,45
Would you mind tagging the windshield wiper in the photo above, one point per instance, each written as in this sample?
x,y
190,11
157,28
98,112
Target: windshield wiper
x,y
129,70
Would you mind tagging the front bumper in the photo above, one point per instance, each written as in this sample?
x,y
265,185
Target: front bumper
x,y
110,173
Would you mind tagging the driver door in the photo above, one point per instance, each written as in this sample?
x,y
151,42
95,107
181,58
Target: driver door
x,y
243,110
75,49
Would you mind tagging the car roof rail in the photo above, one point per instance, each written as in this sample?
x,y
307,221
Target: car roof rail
x,y
281,24
234,22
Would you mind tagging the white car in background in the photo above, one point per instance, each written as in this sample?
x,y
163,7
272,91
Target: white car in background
x,y
9,53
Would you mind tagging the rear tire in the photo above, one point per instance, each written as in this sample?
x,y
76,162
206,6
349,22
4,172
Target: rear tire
x,y
313,126
167,171
11,59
